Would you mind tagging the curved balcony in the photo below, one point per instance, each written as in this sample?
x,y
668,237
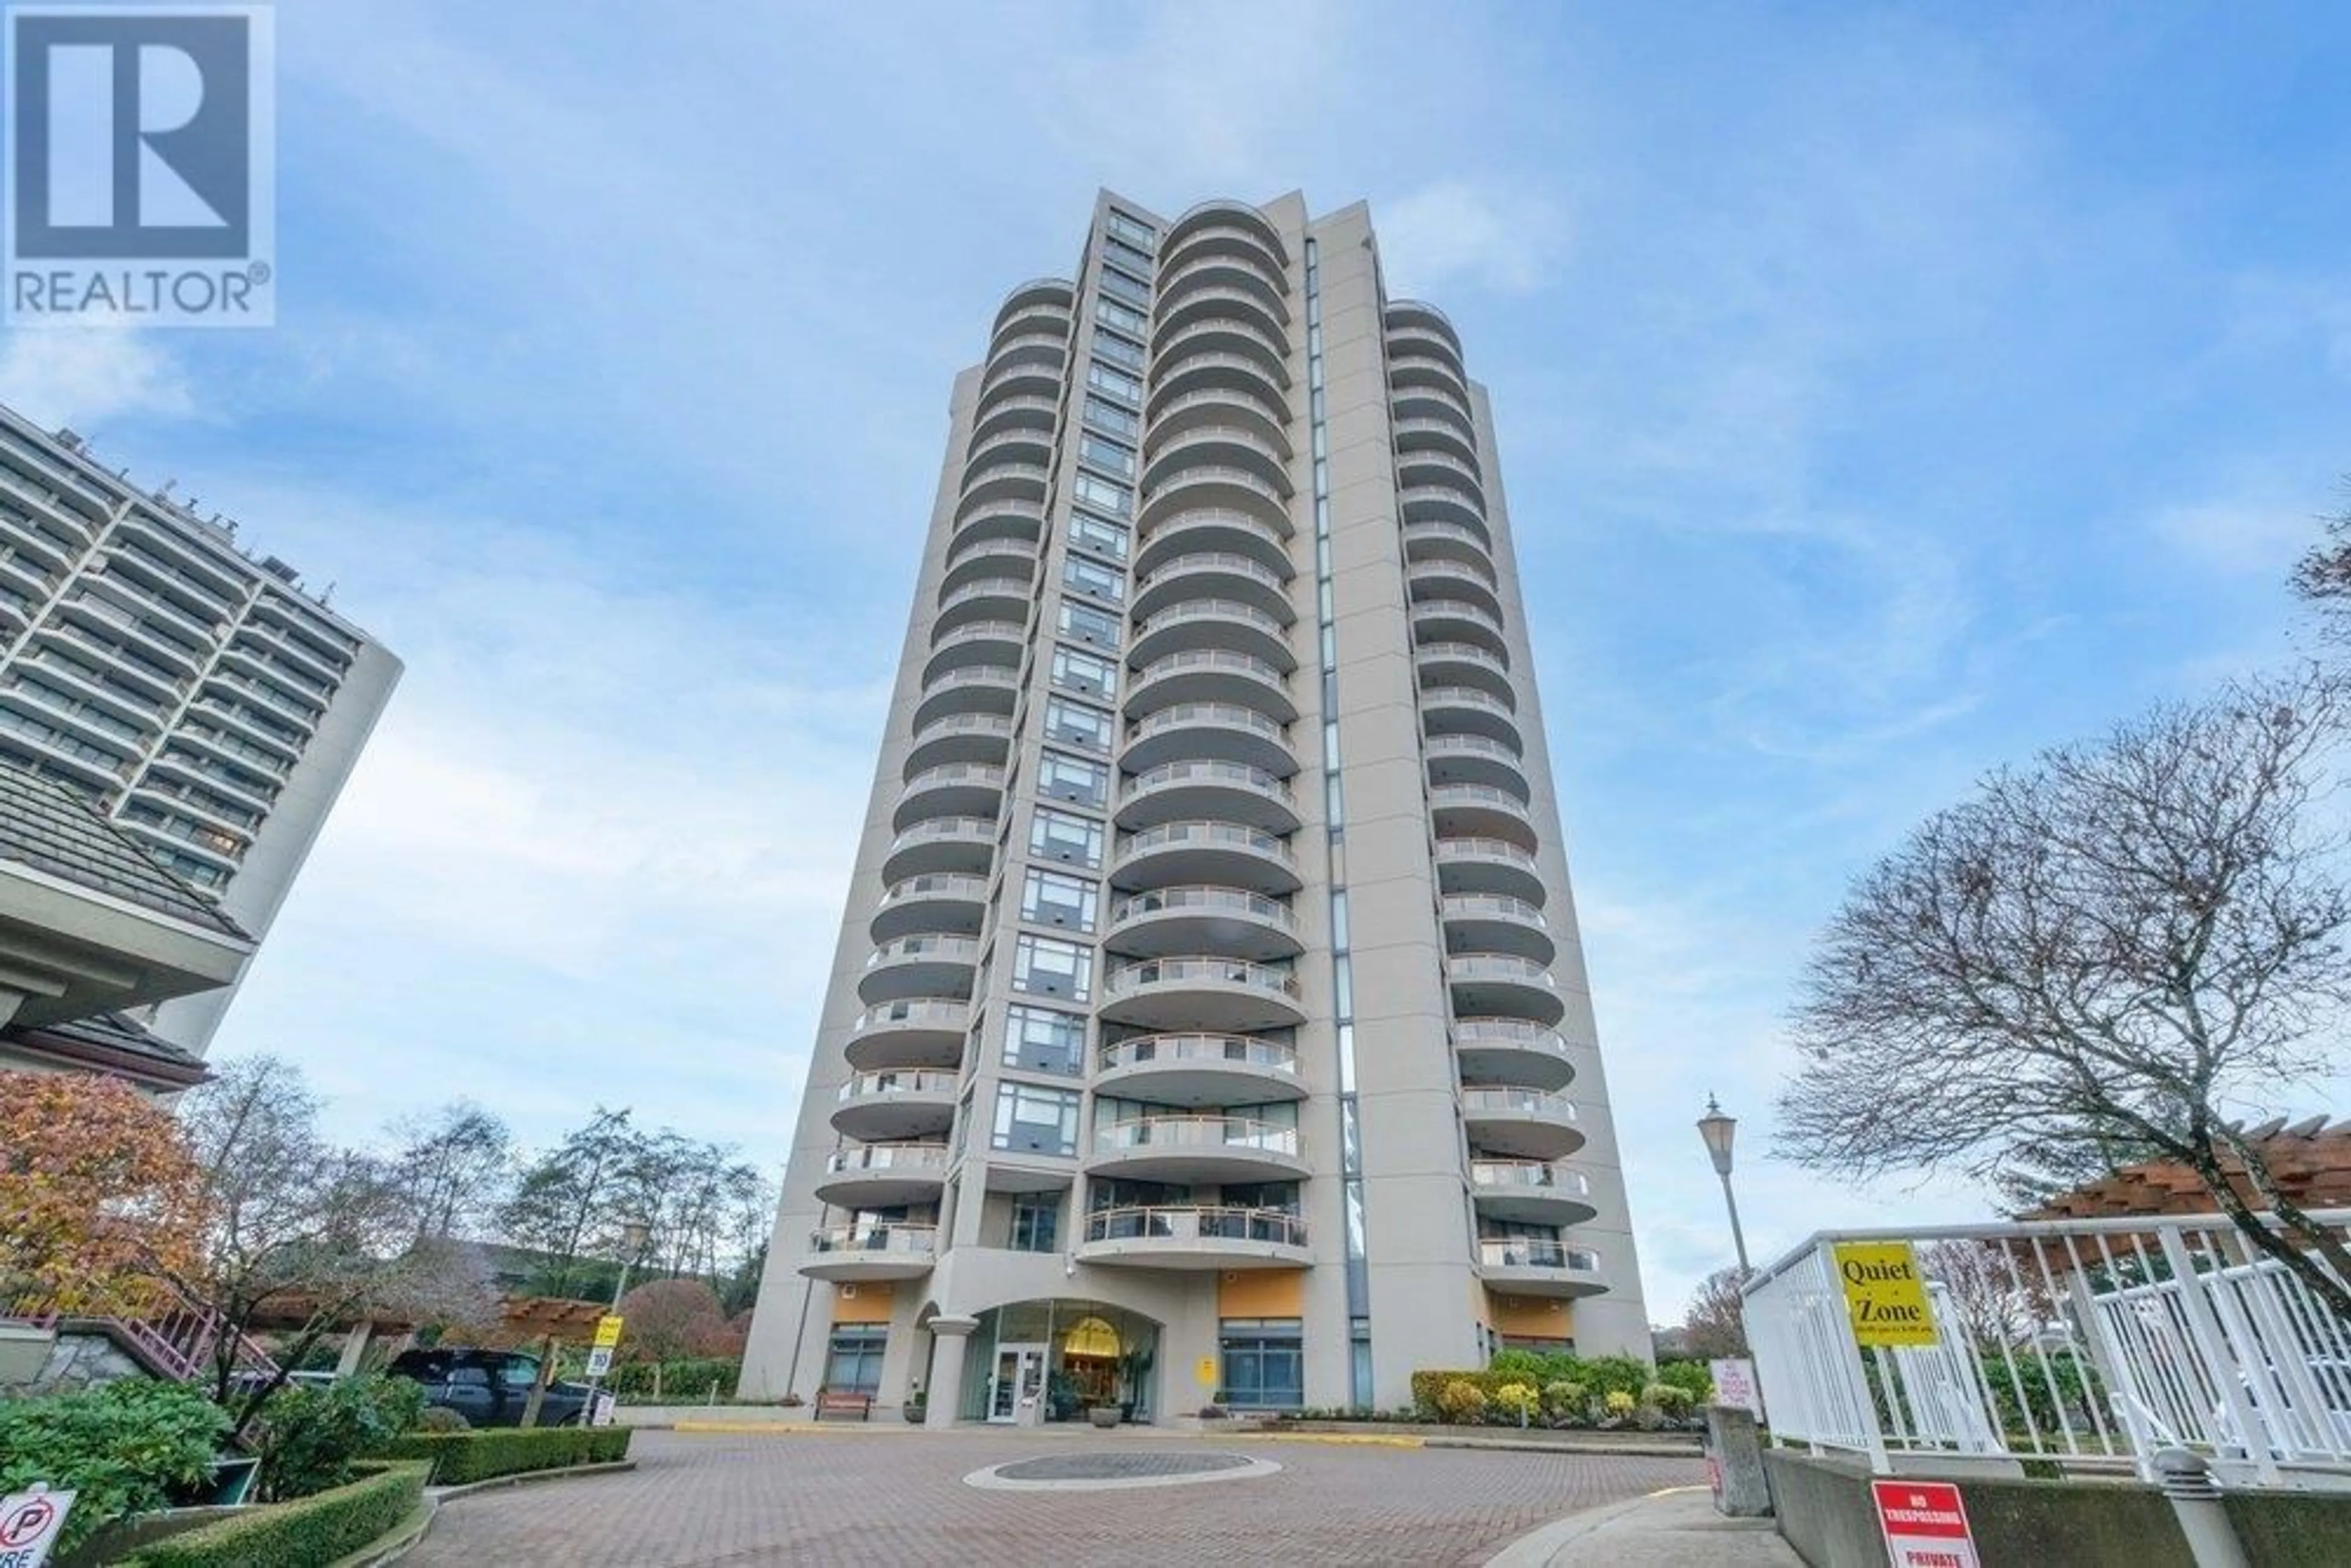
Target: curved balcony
x,y
1037,317
999,520
1240,333
1503,985
1240,298
1204,855
1531,1192
1458,621
965,845
1212,532
1016,413
990,599
946,904
1022,443
1481,812
1223,212
1218,408
1407,368
1220,996
1493,923
1426,434
1203,623
1472,582
978,689
1233,921
1210,732
1050,291
861,1252
925,1033
1195,1237
1216,574
1014,379
1222,1150
1488,865
1467,710
977,643
1211,676
1527,1266
1198,372
1465,664
896,1107
1429,466
883,1175
1522,1124
1004,479
1218,446
1511,1050
1220,791
1048,349
959,738
950,789
971,560
1408,315
1214,270
1199,1070
1411,339
1438,403
1199,487
1442,503
1432,540
1473,759
914,967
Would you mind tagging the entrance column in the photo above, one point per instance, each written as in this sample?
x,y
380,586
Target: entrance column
x,y
950,1337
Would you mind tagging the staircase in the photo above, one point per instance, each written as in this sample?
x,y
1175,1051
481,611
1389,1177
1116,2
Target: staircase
x,y
175,1342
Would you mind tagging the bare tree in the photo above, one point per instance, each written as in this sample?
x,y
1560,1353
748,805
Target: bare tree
x,y
1715,1327
2322,577
2109,948
455,1167
1994,1303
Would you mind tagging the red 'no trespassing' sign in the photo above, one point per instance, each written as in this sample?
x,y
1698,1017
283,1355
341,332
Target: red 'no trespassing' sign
x,y
1924,1524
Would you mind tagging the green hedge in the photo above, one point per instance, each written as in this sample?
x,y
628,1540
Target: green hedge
x,y
300,1534
1599,1375
683,1379
457,1458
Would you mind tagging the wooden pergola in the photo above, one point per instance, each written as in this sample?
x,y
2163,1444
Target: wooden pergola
x,y
2310,1161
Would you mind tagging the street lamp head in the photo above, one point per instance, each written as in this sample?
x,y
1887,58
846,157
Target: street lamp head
x,y
1717,1130
634,1234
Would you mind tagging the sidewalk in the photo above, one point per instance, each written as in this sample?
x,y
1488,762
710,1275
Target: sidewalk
x,y
1677,1528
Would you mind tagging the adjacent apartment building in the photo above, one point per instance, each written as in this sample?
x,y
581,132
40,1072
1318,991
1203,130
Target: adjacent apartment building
x,y
199,698
1209,1017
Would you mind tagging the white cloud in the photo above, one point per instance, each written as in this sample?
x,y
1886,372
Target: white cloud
x,y
85,376
1462,232
2242,536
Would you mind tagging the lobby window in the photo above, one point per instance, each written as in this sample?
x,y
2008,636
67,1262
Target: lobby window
x,y
1093,577
1264,1363
1072,778
1036,1221
1102,538
1084,673
1035,1121
1104,414
1042,966
854,1364
1107,455
1038,1039
1058,836
1103,496
1084,624
1049,898
1075,724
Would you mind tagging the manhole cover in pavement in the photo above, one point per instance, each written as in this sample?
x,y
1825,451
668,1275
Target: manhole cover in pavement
x,y
1087,1473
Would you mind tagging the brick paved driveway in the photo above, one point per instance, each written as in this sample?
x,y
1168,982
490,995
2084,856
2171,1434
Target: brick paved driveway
x,y
873,1497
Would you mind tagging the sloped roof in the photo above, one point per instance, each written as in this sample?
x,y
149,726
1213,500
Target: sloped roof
x,y
48,828
111,1042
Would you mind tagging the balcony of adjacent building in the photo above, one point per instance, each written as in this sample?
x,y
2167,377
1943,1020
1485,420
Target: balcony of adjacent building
x,y
945,904
965,845
1206,853
1220,791
958,737
970,689
1488,866
1169,921
1204,992
1459,621
1496,922
925,1032
1202,1238
1210,732
1196,1069
1512,1121
950,789
1519,1191
883,1175
111,622
173,547
1211,530
881,1250
1197,624
1491,1051
909,968
1188,1147
242,787
1211,676
1471,710
1220,576
896,1106
1536,1266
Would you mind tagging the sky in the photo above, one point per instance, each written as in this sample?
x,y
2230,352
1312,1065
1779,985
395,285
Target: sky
x,y
1883,392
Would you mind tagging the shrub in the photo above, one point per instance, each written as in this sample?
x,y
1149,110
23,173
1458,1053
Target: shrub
x,y
307,1437
1461,1402
1519,1365
442,1418
1517,1401
125,1448
457,1458
1619,1403
1691,1376
319,1529
684,1378
1563,1400
1669,1400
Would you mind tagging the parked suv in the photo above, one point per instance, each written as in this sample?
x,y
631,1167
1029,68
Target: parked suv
x,y
489,1387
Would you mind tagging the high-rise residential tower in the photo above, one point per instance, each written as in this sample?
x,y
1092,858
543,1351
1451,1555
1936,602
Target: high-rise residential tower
x,y
1209,1016
200,698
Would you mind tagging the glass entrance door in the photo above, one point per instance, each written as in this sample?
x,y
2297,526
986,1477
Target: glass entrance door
x,y
1020,1375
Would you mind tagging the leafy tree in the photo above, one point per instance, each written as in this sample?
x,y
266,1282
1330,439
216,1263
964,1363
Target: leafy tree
x,y
2103,950
668,1319
1715,1326
567,1202
455,1168
95,1184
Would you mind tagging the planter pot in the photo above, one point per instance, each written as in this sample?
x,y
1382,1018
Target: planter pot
x,y
1103,1416
913,1414
24,1351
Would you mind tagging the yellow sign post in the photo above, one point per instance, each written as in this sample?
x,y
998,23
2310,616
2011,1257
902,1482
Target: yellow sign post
x,y
608,1331
1885,1295
1205,1371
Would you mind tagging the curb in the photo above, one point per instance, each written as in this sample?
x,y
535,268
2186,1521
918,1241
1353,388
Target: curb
x,y
528,1478
1619,1451
395,1544
1538,1547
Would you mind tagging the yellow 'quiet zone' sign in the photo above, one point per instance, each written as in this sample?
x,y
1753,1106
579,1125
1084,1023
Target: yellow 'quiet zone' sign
x,y
608,1332
1207,1371
1885,1295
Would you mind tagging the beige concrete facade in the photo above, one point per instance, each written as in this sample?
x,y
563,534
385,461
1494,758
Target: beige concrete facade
x,y
1210,983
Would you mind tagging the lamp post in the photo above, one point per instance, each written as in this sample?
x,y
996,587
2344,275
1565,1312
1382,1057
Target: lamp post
x,y
634,1235
1717,1130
